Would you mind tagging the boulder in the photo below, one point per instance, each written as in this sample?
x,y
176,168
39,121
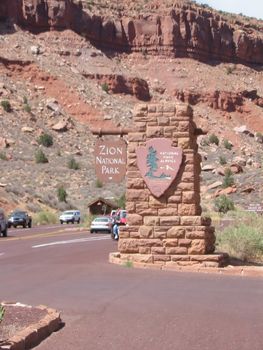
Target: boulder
x,y
27,129
225,191
243,130
4,143
215,185
236,168
208,167
61,126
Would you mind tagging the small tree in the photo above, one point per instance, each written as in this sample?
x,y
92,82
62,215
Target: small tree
x,y
121,201
45,140
6,105
41,157
228,179
152,161
62,194
223,204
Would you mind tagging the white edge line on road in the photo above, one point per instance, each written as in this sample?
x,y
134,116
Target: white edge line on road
x,y
80,240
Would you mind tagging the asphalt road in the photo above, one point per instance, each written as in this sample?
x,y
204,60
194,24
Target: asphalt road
x,y
112,307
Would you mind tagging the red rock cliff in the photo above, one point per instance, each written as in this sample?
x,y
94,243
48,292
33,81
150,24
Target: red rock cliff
x,y
186,31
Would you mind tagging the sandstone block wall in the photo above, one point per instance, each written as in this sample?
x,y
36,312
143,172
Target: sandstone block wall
x,y
169,228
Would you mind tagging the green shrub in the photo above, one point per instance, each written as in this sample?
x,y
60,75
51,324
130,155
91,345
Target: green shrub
x,y
6,105
62,194
243,240
2,312
45,217
213,139
230,69
45,140
259,136
222,160
128,264
223,204
40,157
105,87
27,108
205,142
73,164
86,220
228,145
228,179
3,156
99,183
121,201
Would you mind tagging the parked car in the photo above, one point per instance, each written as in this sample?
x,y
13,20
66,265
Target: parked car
x,y
20,218
3,223
101,224
70,216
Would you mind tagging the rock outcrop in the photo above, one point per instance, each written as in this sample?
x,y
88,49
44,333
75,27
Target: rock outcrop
x,y
119,84
184,31
223,100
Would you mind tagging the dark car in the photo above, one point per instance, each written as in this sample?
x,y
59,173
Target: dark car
x,y
19,218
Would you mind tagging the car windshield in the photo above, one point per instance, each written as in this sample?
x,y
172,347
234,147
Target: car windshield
x,y
18,213
101,220
68,213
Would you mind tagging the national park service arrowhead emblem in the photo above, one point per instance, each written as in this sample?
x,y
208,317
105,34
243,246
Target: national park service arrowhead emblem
x,y
159,163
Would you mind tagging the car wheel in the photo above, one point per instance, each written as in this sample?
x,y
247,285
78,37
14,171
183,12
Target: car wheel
x,y
29,224
24,225
78,221
15,226
61,221
91,231
5,232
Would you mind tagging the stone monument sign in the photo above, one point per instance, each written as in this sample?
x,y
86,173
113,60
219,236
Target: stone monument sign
x,y
165,226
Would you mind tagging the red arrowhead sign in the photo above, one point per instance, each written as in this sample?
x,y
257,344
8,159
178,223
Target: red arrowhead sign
x,y
159,163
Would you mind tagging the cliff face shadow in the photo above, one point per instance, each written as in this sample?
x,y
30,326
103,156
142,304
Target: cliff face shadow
x,y
6,27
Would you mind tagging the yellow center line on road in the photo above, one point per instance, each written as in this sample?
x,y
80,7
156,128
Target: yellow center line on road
x,y
43,235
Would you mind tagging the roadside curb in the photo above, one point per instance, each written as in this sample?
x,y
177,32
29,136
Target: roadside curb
x,y
34,334
230,270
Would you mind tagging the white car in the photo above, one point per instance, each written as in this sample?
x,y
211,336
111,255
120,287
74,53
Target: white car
x,y
101,224
70,216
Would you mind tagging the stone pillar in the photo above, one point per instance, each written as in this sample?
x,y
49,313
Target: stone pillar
x,y
168,230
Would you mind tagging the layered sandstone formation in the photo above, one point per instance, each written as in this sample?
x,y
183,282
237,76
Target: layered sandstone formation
x,y
184,31
222,100
168,230
119,84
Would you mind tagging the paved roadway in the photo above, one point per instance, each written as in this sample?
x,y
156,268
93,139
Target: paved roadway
x,y
113,307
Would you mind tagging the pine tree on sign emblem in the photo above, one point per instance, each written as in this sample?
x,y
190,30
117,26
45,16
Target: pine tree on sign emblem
x,y
151,161
152,164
